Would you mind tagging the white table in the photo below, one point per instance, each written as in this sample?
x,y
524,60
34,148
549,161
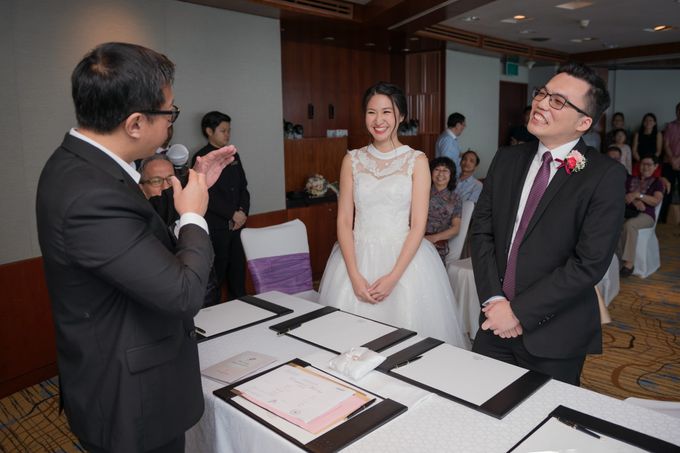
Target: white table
x,y
432,423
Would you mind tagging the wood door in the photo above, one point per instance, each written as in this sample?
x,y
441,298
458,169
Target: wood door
x,y
511,104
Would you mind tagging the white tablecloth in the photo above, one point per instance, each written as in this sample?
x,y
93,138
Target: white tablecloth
x,y
432,424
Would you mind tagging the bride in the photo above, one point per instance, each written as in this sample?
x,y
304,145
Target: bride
x,y
381,268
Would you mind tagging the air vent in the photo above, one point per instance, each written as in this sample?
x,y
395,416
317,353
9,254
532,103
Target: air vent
x,y
329,8
547,54
452,34
505,47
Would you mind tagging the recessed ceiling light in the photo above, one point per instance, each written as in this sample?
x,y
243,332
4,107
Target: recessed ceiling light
x,y
470,19
370,44
519,17
413,38
528,31
328,38
574,5
659,28
515,19
576,40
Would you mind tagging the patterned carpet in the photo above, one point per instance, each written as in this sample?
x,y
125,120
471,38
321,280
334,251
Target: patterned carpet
x,y
642,344
641,358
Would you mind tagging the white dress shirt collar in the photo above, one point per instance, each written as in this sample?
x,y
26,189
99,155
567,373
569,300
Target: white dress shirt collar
x,y
129,169
557,153
455,137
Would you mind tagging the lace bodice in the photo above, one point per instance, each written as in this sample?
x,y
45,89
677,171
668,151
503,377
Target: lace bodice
x,y
382,191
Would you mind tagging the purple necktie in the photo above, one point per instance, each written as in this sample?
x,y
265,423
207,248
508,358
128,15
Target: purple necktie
x,y
537,190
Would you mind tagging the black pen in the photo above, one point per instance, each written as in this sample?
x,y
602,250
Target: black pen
x,y
406,362
359,409
199,330
575,425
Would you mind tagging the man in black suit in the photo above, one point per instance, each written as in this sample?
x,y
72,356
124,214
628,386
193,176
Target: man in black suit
x,y
544,231
123,290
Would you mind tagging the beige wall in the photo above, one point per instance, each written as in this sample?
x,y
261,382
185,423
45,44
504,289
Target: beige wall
x,y
225,61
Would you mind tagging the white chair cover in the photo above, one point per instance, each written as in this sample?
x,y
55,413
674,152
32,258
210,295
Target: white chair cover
x,y
610,284
647,259
456,243
467,302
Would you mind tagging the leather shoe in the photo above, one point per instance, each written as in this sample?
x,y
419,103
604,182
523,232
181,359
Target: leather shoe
x,y
626,272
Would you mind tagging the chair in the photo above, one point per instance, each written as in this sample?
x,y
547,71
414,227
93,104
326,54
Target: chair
x,y
278,259
467,306
610,284
671,408
456,243
647,259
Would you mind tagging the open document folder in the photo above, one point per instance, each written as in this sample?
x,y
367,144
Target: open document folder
x,y
303,397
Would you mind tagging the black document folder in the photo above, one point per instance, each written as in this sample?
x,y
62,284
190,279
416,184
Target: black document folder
x,y
377,344
266,306
597,432
496,406
340,436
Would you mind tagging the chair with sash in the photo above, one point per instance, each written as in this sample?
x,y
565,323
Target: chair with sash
x,y
278,259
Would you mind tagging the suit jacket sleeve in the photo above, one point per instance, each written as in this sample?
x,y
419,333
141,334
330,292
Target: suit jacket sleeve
x,y
482,242
112,237
597,239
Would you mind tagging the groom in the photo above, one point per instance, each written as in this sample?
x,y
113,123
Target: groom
x,y
544,231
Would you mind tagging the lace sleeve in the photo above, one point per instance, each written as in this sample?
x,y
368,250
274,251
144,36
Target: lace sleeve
x,y
412,161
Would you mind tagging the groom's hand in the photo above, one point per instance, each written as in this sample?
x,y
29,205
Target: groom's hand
x,y
500,319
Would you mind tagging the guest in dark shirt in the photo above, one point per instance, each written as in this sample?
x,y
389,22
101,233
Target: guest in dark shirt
x,y
647,141
228,207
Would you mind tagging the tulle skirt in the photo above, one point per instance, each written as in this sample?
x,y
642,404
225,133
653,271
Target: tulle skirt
x,y
421,301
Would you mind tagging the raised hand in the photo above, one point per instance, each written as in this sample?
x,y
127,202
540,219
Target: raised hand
x,y
193,197
212,164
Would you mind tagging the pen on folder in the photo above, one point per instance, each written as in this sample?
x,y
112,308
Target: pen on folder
x,y
359,409
199,330
583,429
406,362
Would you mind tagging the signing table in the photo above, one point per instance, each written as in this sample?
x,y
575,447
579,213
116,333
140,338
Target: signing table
x,y
431,424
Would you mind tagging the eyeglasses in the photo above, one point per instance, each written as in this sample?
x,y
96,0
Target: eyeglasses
x,y
556,101
157,181
174,113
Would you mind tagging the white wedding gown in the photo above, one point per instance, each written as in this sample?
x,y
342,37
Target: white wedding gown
x,y
422,300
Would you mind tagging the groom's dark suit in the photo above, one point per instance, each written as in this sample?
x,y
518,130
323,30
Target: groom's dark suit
x,y
123,297
566,250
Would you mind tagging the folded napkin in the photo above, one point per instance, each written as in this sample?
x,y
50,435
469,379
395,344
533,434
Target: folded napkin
x,y
357,362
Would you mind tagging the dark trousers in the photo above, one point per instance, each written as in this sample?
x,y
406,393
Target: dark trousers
x,y
176,445
674,177
512,350
230,260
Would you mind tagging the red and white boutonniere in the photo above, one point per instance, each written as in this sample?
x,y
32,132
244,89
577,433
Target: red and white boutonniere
x,y
573,162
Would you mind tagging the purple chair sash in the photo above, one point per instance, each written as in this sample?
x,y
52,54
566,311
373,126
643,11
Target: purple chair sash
x,y
289,274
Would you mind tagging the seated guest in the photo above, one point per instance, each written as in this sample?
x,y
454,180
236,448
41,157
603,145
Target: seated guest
x,y
443,217
468,187
647,141
618,122
614,152
643,193
155,172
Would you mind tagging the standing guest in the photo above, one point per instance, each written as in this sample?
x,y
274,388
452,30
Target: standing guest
x,y
643,193
447,144
618,122
446,207
382,268
468,187
544,232
671,166
123,292
626,154
156,175
227,209
647,141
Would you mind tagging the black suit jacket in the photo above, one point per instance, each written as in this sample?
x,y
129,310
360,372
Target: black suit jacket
x,y
566,250
123,297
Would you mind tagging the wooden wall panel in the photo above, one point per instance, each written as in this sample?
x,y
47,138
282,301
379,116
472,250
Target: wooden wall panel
x,y
28,353
320,220
307,156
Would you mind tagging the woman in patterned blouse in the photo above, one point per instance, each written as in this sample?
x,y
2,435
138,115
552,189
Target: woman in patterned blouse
x,y
443,218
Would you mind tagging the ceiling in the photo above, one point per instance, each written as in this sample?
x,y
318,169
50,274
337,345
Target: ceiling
x,y
607,33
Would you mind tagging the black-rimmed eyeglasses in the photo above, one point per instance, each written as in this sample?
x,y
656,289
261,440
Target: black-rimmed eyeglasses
x,y
556,101
157,181
174,113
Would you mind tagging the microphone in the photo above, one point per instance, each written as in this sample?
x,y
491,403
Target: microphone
x,y
179,156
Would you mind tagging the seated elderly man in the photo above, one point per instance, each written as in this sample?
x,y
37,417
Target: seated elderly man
x,y
156,171
468,187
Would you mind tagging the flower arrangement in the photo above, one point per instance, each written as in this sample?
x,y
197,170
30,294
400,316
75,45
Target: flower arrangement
x,y
573,162
316,186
